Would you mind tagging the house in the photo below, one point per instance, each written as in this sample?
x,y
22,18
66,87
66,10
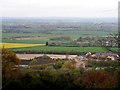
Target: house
x,y
88,54
91,55
114,57
110,58
102,56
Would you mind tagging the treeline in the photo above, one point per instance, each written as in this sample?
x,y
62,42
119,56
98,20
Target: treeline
x,y
83,41
48,52
64,80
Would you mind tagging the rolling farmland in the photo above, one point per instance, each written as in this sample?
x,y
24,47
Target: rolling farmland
x,y
63,35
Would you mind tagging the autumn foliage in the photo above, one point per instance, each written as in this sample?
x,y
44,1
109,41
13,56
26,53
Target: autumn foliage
x,y
9,60
8,56
100,79
64,76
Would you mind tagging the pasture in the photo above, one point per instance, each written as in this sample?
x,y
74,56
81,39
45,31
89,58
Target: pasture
x,y
61,49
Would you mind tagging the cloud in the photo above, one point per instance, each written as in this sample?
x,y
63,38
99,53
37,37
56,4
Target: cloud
x,y
47,8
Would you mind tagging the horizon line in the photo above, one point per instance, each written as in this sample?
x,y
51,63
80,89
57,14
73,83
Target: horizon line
x,y
57,17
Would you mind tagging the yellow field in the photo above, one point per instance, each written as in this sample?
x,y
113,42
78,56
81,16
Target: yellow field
x,y
18,45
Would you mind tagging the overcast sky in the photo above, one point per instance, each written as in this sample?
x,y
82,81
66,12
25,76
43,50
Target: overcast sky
x,y
59,8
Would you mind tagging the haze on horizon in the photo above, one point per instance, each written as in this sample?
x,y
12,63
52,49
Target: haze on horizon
x,y
59,8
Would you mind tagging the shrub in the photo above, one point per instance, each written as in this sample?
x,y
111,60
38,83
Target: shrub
x,y
58,64
68,65
34,62
44,57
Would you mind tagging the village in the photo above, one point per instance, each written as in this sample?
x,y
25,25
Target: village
x,y
80,61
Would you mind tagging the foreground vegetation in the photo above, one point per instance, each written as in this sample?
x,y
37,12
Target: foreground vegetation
x,y
65,80
62,75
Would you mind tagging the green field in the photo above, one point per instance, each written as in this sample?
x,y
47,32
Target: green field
x,y
61,49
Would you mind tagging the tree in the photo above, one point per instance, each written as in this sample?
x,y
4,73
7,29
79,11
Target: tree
x,y
79,39
9,60
99,79
9,56
46,43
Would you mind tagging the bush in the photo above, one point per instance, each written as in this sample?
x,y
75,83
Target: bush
x,y
39,67
58,64
44,57
34,62
68,65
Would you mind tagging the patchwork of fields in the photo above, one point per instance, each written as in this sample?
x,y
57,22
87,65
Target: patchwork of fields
x,y
70,35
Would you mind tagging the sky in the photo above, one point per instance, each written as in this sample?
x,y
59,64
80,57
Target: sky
x,y
59,8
